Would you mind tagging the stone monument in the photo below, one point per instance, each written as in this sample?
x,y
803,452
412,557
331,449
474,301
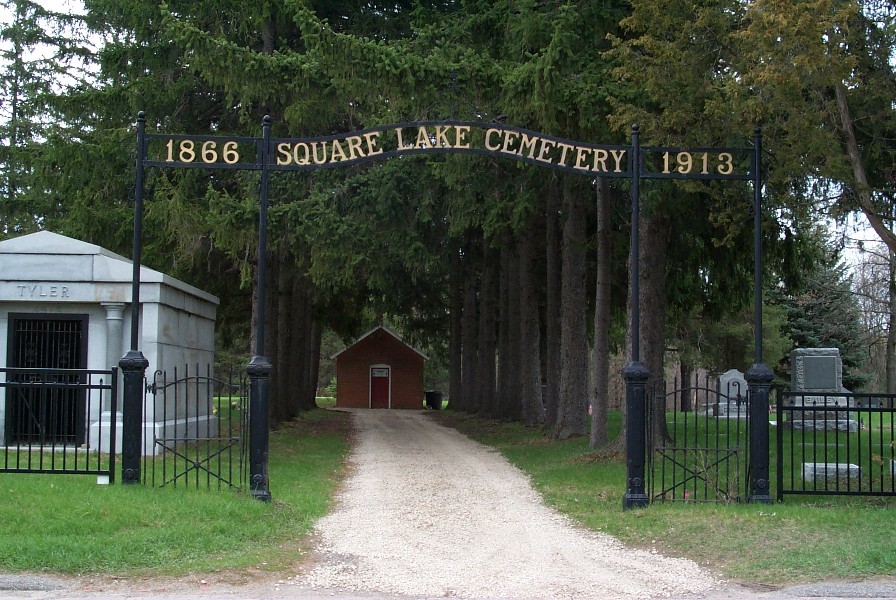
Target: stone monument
x,y
732,395
820,371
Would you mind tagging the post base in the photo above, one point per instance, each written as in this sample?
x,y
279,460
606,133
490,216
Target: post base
x,y
634,501
760,499
260,495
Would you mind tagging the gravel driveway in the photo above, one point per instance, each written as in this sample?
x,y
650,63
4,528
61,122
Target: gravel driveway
x,y
428,512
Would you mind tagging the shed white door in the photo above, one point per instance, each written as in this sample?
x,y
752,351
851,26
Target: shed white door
x,y
379,387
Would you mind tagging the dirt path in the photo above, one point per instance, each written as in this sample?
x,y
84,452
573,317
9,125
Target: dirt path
x,y
429,512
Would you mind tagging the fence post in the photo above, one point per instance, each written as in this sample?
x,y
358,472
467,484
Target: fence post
x,y
636,375
759,379
133,366
259,370
779,444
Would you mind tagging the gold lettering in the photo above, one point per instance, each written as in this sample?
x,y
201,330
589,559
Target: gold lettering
x,y
422,138
565,148
546,147
283,157
337,147
528,143
618,156
599,163
442,136
488,138
726,164
354,145
460,136
401,145
295,154
509,138
580,158
322,160
371,139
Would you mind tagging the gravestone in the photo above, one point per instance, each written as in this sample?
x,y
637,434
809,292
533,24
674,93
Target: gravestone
x,y
820,370
732,395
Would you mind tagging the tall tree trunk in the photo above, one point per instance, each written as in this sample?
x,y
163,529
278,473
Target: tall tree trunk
x,y
685,374
295,339
504,325
315,333
488,343
573,407
551,376
531,406
455,368
655,233
281,333
470,343
600,406
510,359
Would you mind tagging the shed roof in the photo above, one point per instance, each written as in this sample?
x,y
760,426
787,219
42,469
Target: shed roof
x,y
371,332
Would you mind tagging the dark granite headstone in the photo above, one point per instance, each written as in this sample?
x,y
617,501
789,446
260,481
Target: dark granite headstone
x,y
820,370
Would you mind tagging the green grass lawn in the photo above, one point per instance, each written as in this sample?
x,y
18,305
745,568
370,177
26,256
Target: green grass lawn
x,y
69,524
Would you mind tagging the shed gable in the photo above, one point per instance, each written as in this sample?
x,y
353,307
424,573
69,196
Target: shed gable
x,y
377,349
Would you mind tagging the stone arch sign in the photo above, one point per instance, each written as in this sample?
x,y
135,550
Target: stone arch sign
x,y
268,154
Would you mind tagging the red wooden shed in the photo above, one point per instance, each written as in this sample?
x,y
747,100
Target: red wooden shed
x,y
379,371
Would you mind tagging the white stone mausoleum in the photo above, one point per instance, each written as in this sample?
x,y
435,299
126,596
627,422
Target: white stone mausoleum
x,y
65,303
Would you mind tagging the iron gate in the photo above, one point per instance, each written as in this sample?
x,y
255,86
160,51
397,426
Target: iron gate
x,y
697,439
200,431
58,421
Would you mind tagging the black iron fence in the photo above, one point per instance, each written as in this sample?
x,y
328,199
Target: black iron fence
x,y
697,441
59,421
836,443
197,435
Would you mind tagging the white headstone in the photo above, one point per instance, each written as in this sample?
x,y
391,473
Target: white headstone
x,y
732,394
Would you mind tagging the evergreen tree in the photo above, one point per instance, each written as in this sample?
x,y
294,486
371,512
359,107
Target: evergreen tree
x,y
41,56
825,313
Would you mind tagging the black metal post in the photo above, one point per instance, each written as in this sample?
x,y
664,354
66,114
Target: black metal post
x,y
259,368
757,243
133,364
759,376
635,373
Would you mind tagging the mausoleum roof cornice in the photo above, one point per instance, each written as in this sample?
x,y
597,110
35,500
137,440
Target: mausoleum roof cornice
x,y
71,260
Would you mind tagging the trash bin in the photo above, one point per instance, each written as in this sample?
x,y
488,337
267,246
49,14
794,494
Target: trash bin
x,y
433,399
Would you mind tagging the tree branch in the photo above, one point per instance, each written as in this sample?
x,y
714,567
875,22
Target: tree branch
x,y
862,189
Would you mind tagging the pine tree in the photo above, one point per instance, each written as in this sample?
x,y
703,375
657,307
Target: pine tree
x,y
41,55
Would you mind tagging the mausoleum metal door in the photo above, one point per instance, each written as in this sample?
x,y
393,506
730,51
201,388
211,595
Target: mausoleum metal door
x,y
379,387
46,415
